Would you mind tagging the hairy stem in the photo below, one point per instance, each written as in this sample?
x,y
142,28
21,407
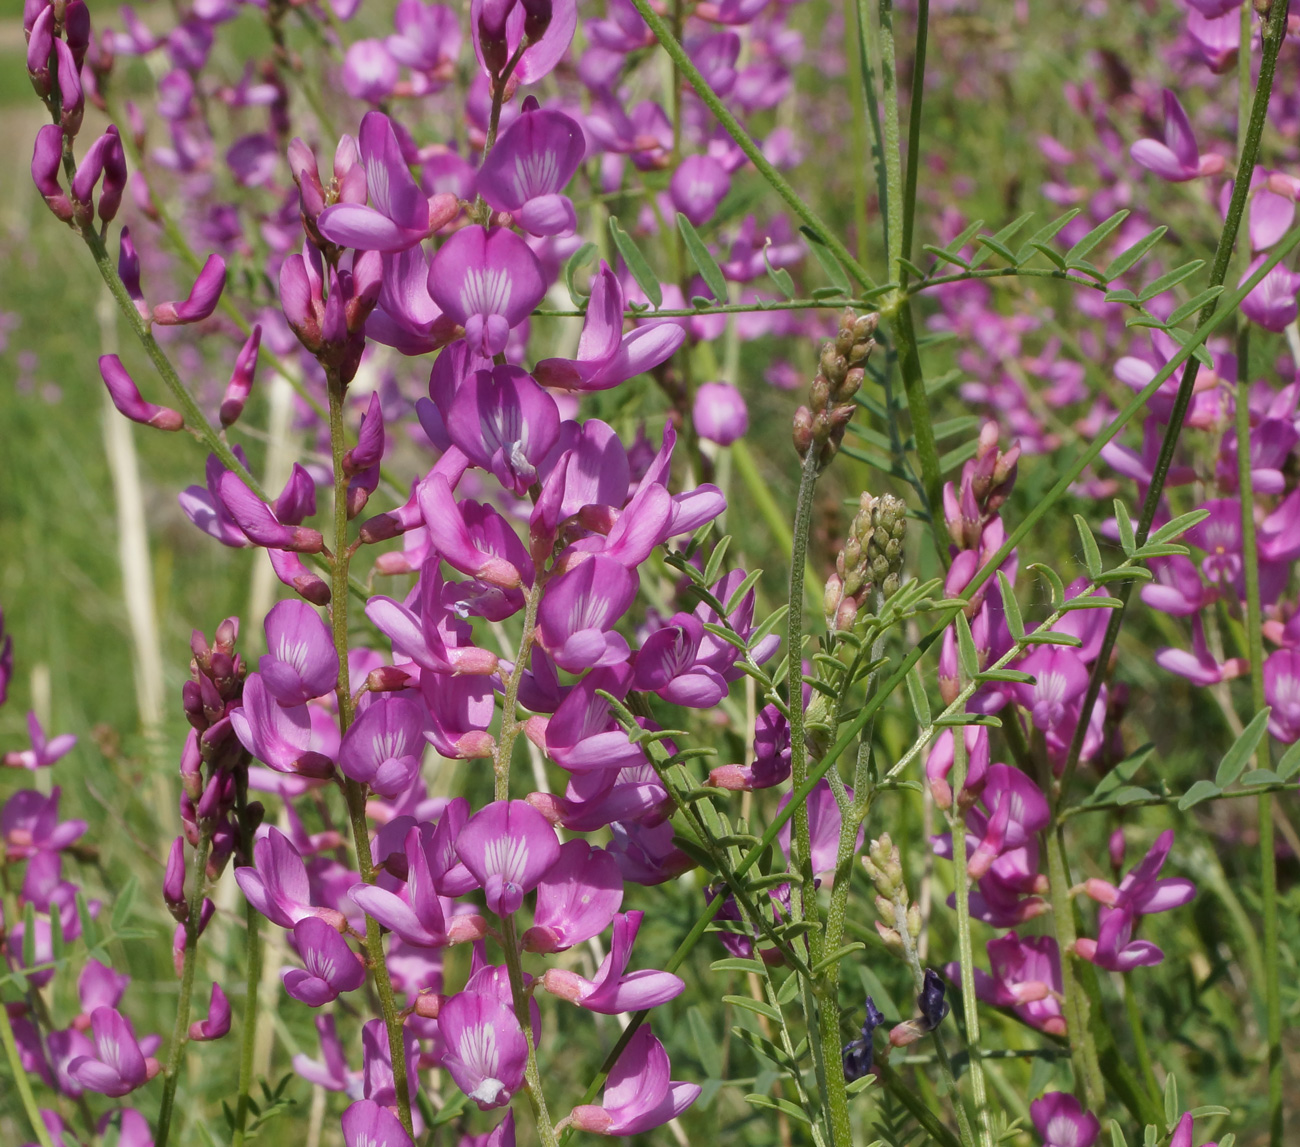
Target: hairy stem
x,y
181,1028
532,1076
916,98
355,792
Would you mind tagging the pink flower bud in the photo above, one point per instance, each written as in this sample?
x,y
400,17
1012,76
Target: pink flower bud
x,y
47,156
202,299
241,379
126,397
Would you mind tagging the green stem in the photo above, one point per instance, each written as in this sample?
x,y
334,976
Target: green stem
x,y
181,1027
965,952
532,1076
1134,1012
918,408
21,1082
917,95
355,792
1273,34
1255,640
1083,1052
252,979
893,213
510,723
779,183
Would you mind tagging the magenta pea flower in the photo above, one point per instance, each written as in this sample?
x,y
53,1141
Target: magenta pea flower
x,y
119,1066
638,1094
301,663
1198,664
698,186
369,72
402,215
529,168
276,883
41,753
1017,810
204,507
367,1124
1141,889
280,737
503,23
99,986
1282,691
1177,159
460,710
824,823
583,736
258,521
128,400
1272,303
418,918
1062,1122
202,299
1060,678
331,1071
29,824
771,764
505,423
669,664
1026,977
450,534
606,356
382,747
615,990
489,282
329,964
1114,948
508,846
576,899
428,39
486,1049
720,414
217,1025
579,610
938,765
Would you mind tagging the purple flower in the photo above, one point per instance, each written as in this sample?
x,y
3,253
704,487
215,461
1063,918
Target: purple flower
x,y
277,883
448,524
489,282
615,990
505,423
217,1024
329,965
824,822
529,168
367,1124
1272,304
128,400
1177,159
427,40
1199,665
499,29
369,72
1140,890
1115,949
118,1066
202,299
402,216
1026,977
669,664
1062,1122
607,357
698,186
418,918
579,610
301,663
280,737
938,765
771,764
1016,810
99,986
461,710
258,521
1060,677
858,1053
583,736
719,413
508,846
576,899
486,1049
29,824
1282,691
382,747
638,1095
333,1073
42,753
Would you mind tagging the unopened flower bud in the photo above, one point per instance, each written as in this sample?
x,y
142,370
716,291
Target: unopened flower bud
x,y
892,940
386,679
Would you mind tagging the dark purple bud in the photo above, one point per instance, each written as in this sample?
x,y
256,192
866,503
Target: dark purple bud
x,y
202,299
227,633
858,1054
370,441
296,299
367,281
40,44
91,168
492,34
128,270
334,326
46,158
298,498
72,98
174,880
360,488
240,385
218,1022
537,18
76,29
930,1002
115,177
126,397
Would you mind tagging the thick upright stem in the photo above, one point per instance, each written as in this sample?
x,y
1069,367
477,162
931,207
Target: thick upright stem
x,y
356,793
1255,644
252,981
532,1076
181,1028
